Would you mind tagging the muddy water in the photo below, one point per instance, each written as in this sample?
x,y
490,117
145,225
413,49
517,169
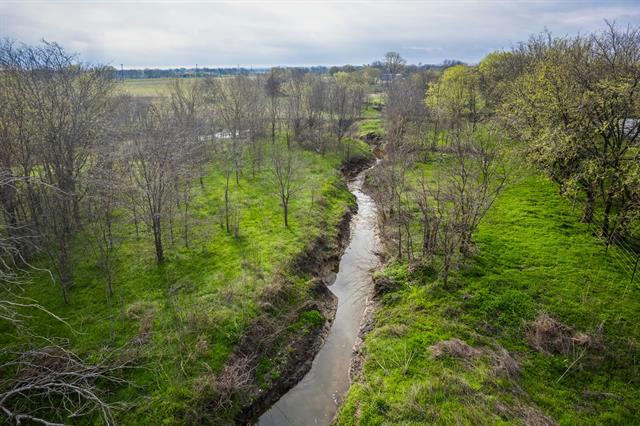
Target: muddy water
x,y
314,400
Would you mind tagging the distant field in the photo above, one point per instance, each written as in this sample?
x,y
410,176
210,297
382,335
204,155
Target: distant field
x,y
150,86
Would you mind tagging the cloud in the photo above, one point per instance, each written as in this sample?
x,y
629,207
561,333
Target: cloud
x,y
258,33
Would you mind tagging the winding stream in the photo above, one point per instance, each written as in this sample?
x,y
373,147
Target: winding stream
x,y
314,400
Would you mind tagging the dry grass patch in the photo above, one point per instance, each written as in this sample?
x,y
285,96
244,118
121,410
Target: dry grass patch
x,y
454,347
549,336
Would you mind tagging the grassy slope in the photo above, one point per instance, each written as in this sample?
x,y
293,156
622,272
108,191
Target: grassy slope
x,y
190,312
533,256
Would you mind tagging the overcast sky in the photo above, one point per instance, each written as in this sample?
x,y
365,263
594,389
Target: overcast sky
x,y
264,33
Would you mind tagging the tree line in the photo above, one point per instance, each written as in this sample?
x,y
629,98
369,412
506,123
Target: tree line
x,y
569,105
78,156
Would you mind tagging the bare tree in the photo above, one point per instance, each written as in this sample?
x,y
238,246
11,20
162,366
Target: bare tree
x,y
104,186
405,111
65,104
286,165
190,146
393,63
453,204
225,155
345,103
151,159
273,90
234,99
389,186
314,107
294,89
475,177
429,220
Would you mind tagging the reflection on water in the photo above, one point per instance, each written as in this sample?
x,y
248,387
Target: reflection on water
x,y
314,400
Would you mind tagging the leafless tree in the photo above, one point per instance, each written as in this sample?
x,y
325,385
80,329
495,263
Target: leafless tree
x,y
150,156
286,165
453,203
429,220
405,113
104,188
389,186
224,155
63,105
393,63
314,106
475,177
273,90
345,103
234,100
294,90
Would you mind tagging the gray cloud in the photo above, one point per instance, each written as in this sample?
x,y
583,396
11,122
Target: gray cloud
x,y
164,33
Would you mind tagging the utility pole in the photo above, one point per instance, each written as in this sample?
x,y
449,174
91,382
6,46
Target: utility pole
x,y
196,70
122,72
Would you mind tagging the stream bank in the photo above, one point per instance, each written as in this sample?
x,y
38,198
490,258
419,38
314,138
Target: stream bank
x,y
315,399
277,350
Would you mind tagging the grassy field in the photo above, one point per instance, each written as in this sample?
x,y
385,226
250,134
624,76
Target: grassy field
x,y
578,364
182,320
150,87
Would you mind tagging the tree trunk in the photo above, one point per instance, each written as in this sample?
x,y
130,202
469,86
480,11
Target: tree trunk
x,y
109,282
605,218
285,206
589,207
399,240
157,238
226,204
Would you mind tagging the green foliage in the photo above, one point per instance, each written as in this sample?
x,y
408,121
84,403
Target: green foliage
x,y
456,95
307,321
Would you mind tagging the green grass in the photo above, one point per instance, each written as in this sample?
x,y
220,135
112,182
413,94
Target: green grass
x,y
371,123
150,87
533,256
190,312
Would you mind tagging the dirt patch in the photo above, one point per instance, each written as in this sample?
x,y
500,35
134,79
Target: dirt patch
x,y
351,168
